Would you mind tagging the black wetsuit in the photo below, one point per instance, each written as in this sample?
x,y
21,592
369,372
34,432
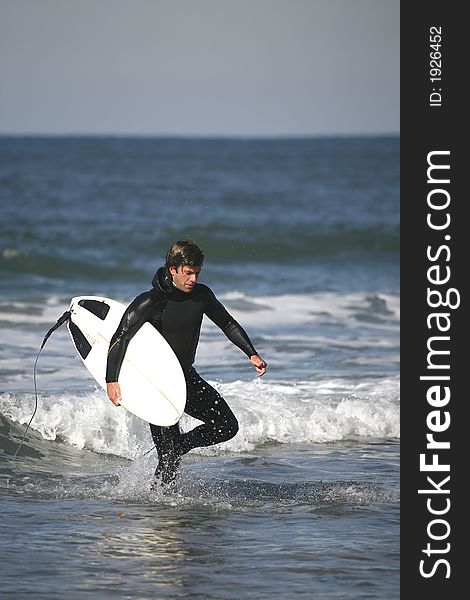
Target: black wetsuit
x,y
178,317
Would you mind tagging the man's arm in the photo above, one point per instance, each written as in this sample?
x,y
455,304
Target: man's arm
x,y
238,336
216,311
132,320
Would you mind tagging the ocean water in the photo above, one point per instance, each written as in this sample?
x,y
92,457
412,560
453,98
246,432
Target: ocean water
x,y
301,240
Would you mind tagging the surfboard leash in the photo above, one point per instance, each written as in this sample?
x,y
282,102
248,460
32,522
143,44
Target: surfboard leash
x,y
63,319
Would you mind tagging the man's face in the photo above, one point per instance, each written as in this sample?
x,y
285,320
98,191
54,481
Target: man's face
x,y
185,277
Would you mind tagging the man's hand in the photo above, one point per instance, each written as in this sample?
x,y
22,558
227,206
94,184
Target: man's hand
x,y
114,392
259,363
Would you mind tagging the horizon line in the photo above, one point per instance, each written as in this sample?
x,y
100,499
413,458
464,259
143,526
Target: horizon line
x,y
199,136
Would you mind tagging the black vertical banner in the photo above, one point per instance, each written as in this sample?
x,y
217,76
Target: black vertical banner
x,y
434,291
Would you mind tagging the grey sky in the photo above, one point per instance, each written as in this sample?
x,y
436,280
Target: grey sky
x,y
207,67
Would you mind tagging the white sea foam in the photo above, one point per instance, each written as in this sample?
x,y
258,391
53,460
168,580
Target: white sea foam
x,y
259,310
350,320
298,308
283,412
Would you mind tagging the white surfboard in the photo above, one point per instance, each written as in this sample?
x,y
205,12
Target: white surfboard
x,y
152,382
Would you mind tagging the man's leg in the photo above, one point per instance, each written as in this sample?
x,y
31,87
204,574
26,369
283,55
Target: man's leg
x,y
166,444
206,404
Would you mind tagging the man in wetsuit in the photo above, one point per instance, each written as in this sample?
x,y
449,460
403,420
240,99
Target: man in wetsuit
x,y
175,307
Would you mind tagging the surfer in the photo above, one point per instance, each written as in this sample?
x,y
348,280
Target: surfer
x,y
175,306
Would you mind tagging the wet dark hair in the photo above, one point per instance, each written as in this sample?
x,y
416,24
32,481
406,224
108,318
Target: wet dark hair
x,y
184,253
